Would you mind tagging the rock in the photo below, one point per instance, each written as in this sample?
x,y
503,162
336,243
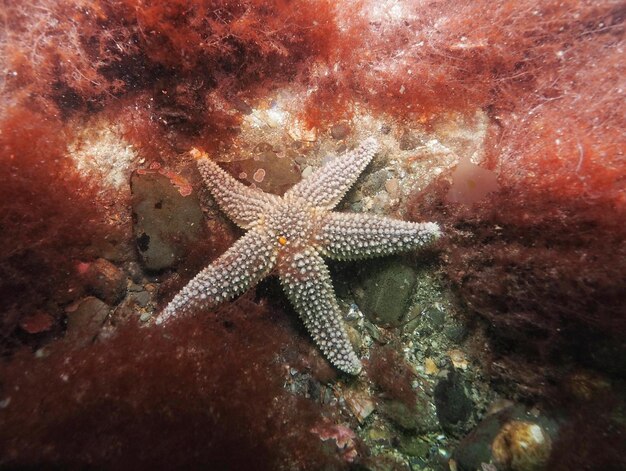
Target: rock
x,y
408,141
339,131
414,446
85,320
393,187
375,182
360,403
165,222
135,271
521,446
106,281
420,418
142,298
37,322
455,332
506,429
384,291
454,407
475,448
431,320
267,171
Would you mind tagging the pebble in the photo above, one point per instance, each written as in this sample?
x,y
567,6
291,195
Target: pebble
x,y
454,407
106,281
408,140
339,131
85,320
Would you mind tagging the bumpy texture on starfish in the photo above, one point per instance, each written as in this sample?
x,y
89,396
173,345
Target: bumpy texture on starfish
x,y
289,235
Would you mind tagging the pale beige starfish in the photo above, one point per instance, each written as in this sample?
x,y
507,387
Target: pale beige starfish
x,y
288,236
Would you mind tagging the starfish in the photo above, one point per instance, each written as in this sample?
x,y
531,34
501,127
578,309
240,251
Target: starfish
x,y
289,236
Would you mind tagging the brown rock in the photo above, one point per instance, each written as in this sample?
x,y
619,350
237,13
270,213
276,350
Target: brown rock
x,y
85,319
106,281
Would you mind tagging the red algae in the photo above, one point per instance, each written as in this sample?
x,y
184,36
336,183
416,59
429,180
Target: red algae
x,y
48,219
390,372
205,392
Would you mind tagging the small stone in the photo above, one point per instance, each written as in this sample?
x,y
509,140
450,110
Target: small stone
x,y
431,320
306,173
455,332
383,462
141,297
387,287
504,437
414,446
360,403
408,140
135,271
420,418
458,359
165,222
393,187
145,317
85,320
106,281
430,367
454,407
339,131
375,182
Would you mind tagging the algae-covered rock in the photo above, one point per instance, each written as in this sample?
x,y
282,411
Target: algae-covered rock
x,y
419,418
384,291
165,222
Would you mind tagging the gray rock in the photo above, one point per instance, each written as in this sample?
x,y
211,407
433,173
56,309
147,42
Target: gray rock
x,y
384,290
141,297
165,222
85,321
419,418
431,320
376,181
455,332
454,407
414,446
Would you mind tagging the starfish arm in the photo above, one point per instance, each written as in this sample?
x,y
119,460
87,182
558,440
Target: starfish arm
x,y
307,283
328,185
242,204
250,259
346,236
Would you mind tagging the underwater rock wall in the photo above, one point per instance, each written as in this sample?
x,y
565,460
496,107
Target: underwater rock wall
x,y
501,121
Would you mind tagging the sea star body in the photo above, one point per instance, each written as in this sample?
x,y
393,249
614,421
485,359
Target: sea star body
x,y
289,236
